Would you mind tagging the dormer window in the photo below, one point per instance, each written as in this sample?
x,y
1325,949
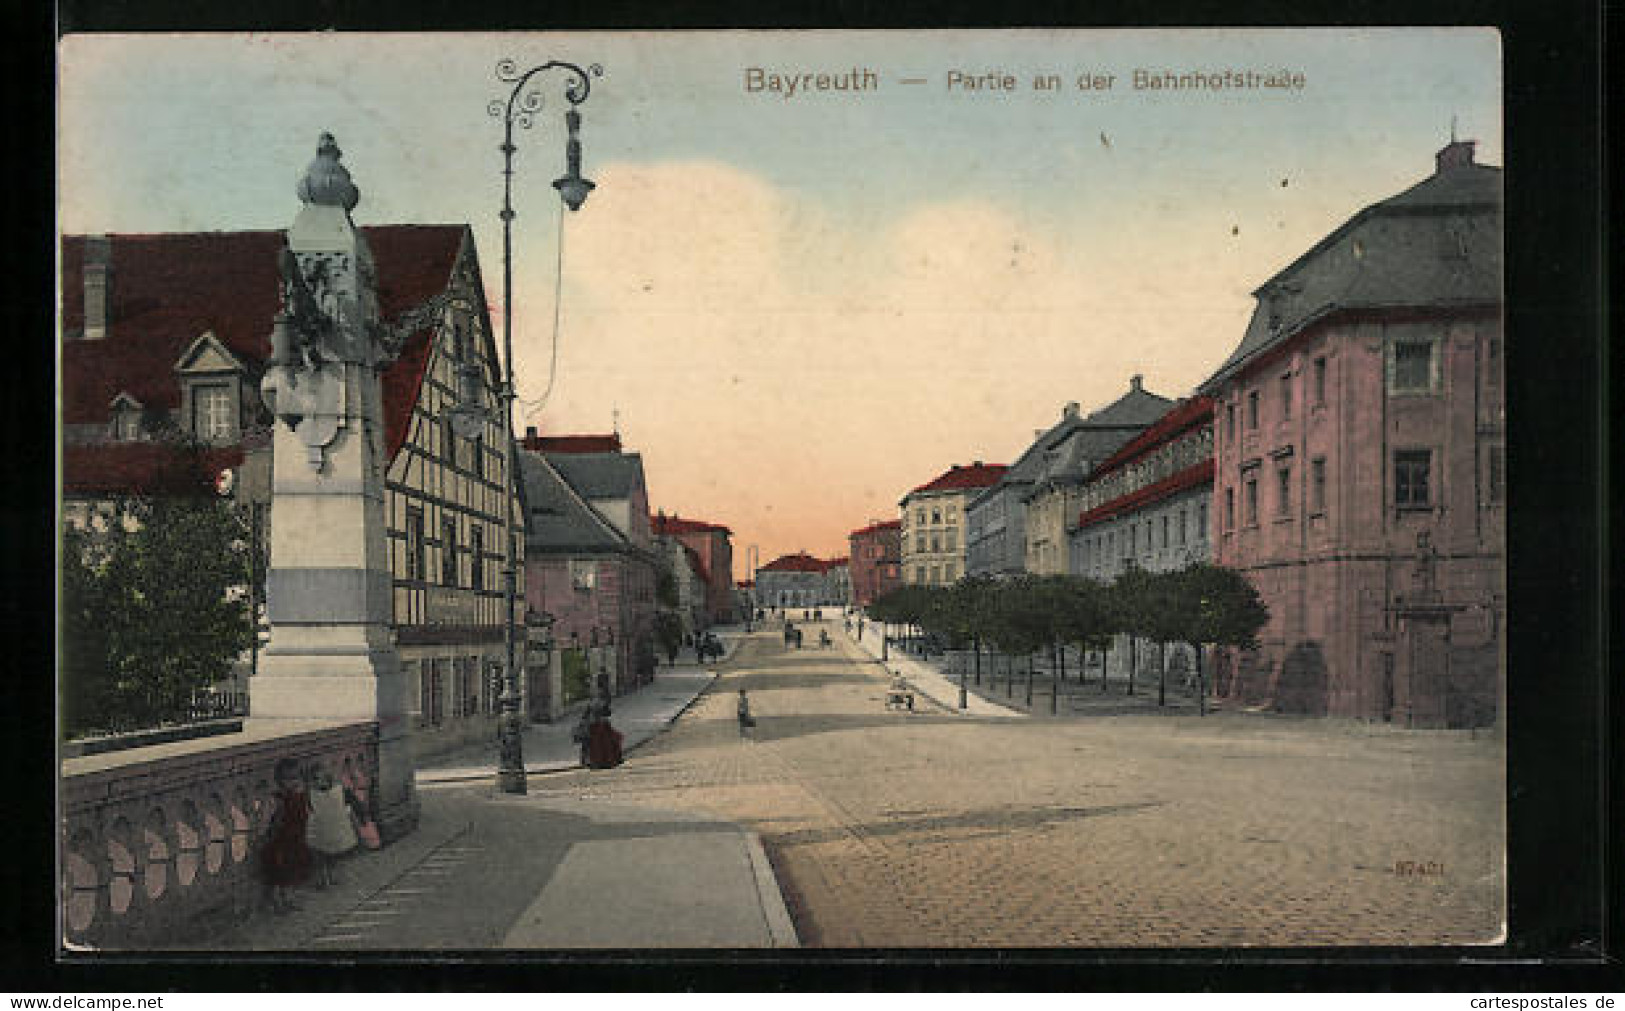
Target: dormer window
x,y
212,413
125,423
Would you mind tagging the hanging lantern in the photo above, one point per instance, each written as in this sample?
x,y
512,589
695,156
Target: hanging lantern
x,y
571,186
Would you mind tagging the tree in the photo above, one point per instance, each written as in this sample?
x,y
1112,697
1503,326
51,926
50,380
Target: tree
x,y
669,633
1217,606
1022,621
1133,603
1086,617
154,608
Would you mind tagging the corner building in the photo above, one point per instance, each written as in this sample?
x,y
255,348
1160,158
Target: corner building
x,y
1359,472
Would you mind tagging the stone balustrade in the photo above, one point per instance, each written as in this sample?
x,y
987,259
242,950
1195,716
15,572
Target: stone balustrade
x,y
158,839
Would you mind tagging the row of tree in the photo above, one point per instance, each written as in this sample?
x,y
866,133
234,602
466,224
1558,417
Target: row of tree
x,y
1203,605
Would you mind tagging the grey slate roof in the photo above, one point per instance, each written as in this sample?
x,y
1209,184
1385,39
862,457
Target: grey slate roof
x,y
1435,245
600,475
1084,440
558,520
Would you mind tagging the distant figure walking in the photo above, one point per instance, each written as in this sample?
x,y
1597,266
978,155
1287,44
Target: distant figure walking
x,y
746,720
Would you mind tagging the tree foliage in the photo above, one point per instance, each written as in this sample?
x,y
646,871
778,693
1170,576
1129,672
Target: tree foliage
x,y
154,607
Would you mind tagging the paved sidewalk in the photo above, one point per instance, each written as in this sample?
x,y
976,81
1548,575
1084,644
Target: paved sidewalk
x,y
926,678
487,870
638,715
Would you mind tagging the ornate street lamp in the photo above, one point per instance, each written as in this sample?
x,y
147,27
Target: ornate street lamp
x,y
522,104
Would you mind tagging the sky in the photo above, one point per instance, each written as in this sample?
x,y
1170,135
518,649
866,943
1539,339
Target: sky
x,y
799,306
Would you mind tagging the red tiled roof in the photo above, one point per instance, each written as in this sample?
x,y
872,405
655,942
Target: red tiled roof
x,y
875,528
142,468
1190,477
168,289
1182,417
572,443
667,525
956,478
801,562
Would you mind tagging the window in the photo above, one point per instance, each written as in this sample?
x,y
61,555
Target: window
x,y
476,557
950,539
432,693
1497,474
950,572
1230,421
936,516
211,414
448,551
415,561
1286,398
1412,368
1230,508
1201,520
448,441
936,542
936,575
1252,410
1252,501
1411,468
126,424
919,544
919,516
1317,485
919,573
1493,367
1320,380
1165,530
1182,526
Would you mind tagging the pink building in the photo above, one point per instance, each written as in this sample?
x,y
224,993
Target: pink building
x,y
1359,474
876,560
589,558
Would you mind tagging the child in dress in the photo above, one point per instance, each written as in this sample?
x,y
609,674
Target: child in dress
x,y
331,831
285,857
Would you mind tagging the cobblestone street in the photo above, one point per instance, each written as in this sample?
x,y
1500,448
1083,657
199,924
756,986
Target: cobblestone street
x,y
930,829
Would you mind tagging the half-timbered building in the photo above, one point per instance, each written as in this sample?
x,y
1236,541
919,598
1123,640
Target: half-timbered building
x,y
164,341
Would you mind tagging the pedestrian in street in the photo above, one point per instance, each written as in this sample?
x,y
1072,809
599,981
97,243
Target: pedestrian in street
x,y
285,855
330,830
746,720
603,745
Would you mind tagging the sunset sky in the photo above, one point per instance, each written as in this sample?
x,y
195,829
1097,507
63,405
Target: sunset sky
x,y
800,308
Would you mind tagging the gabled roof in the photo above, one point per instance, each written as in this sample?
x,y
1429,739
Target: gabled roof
x,y
1195,475
612,475
1186,415
662,525
557,519
1134,409
1435,246
957,478
166,290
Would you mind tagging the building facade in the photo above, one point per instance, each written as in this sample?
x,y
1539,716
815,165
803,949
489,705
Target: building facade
x,y
1148,505
800,580
595,580
1359,465
1051,502
875,560
932,525
166,336
714,545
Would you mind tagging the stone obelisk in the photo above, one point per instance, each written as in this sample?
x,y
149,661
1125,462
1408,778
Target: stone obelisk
x,y
331,656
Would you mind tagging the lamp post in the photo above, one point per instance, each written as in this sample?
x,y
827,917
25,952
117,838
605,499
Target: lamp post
x,y
522,103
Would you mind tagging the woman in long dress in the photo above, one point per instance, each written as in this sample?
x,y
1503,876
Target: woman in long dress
x,y
285,856
331,833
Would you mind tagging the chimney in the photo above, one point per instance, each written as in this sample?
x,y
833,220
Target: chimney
x,y
1070,410
530,433
976,463
98,272
1134,383
1454,155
